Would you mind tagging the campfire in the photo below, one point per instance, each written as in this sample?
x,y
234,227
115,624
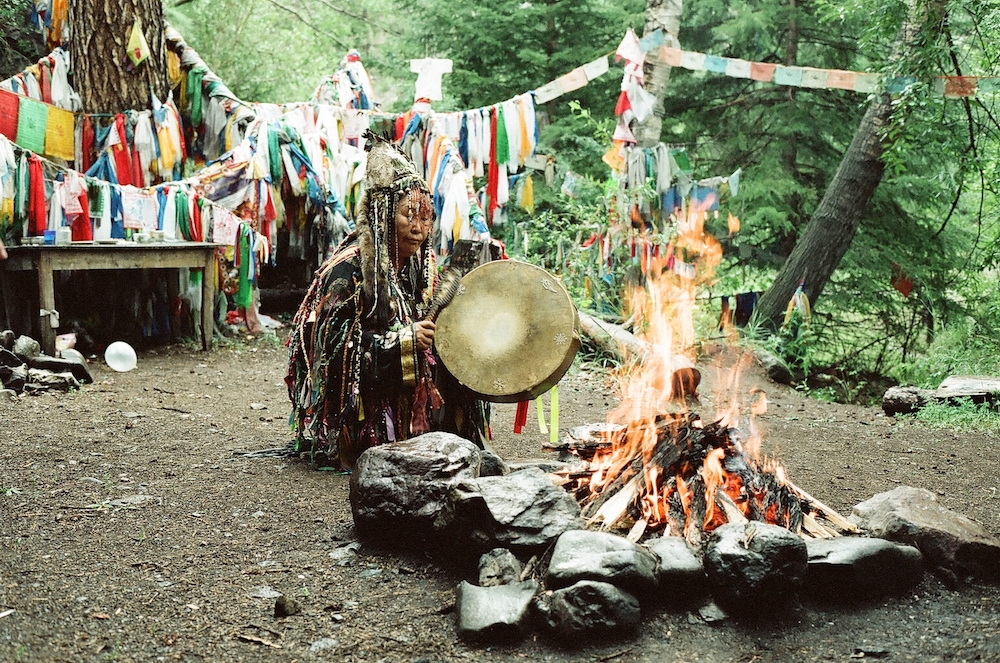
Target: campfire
x,y
656,467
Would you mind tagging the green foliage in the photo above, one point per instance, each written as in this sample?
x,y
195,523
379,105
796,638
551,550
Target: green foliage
x,y
279,52
507,47
20,43
961,414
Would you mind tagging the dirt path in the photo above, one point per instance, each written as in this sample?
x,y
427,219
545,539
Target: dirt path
x,y
131,531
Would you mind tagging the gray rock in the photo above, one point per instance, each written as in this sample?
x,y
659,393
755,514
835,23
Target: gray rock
x,y
491,465
286,607
544,464
904,400
519,510
8,395
851,568
590,610
752,565
59,365
399,492
324,643
582,555
40,380
9,359
7,339
14,377
949,541
499,567
26,348
500,613
680,575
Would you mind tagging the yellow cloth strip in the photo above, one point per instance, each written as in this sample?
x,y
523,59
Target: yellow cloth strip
x,y
406,358
541,416
554,415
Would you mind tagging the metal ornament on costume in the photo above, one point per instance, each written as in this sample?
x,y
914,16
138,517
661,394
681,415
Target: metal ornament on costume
x,y
510,333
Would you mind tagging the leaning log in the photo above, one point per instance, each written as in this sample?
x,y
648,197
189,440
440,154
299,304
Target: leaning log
x,y
625,345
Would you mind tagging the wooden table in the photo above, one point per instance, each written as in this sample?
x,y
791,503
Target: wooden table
x,y
124,255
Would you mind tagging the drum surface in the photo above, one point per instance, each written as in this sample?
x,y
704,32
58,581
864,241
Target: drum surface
x,y
511,333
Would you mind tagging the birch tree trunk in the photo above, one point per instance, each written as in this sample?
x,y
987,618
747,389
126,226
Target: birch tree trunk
x,y
101,30
665,15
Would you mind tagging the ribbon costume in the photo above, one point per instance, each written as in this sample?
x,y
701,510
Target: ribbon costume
x,y
355,376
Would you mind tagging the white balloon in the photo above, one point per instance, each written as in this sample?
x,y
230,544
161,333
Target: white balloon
x,y
120,356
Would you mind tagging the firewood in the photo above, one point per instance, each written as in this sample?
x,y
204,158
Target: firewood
x,y
726,503
616,507
824,510
816,529
638,529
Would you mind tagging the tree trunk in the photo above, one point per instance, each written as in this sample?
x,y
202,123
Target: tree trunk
x,y
831,229
829,233
665,15
101,30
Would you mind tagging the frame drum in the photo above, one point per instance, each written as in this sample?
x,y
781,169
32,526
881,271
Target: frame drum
x,y
510,333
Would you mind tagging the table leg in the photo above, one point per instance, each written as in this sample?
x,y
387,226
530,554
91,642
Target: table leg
x,y
47,302
208,301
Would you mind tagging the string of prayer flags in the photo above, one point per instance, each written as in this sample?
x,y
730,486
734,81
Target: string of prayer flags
x,y
811,77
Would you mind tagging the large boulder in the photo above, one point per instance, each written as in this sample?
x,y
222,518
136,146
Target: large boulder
x,y
602,556
851,568
589,610
400,491
500,613
522,510
950,542
754,566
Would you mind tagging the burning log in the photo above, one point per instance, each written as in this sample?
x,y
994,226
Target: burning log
x,y
682,478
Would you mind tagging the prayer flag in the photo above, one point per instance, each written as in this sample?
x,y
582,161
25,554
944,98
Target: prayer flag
x,y
788,75
630,48
738,68
32,117
814,78
866,83
8,114
138,49
716,64
959,86
672,56
653,40
840,79
574,80
548,92
988,84
762,71
898,84
598,67
938,85
59,134
693,61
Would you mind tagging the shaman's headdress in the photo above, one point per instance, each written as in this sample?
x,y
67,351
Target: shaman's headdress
x,y
389,177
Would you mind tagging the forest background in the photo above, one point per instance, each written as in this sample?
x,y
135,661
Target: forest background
x,y
932,224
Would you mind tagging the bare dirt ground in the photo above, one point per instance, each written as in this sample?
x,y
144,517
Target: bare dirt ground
x,y
132,530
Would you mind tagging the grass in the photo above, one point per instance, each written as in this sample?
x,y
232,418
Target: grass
x,y
961,414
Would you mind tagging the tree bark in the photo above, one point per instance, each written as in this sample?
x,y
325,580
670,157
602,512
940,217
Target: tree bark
x,y
831,229
665,15
101,30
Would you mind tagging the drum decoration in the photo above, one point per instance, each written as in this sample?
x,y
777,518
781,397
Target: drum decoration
x,y
510,333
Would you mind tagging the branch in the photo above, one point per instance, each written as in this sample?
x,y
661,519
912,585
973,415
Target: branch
x,y
309,25
357,17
